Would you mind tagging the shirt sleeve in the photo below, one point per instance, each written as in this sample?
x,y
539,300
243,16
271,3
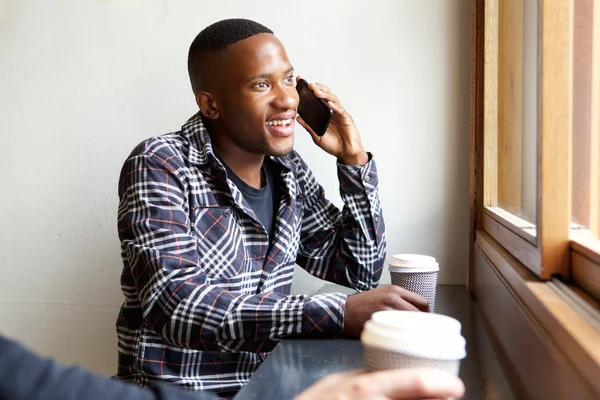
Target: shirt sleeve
x,y
26,376
346,247
177,299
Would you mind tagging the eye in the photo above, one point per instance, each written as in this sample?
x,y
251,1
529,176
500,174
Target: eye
x,y
261,85
289,79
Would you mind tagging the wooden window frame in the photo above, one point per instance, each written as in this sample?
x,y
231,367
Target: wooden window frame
x,y
529,313
543,247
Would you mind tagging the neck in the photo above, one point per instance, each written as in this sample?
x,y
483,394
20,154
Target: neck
x,y
245,165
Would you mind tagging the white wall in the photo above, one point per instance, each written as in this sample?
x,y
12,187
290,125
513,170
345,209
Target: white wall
x,y
82,82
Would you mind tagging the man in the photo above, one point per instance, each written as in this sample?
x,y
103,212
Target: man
x,y
26,376
213,218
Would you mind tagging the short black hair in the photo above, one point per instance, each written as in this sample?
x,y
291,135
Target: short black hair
x,y
214,39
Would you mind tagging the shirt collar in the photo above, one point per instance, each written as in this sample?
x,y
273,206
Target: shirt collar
x,y
201,151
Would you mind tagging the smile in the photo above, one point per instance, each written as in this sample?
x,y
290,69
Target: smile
x,y
284,122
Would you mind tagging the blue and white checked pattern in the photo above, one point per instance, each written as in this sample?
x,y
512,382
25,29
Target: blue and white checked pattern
x,y
206,295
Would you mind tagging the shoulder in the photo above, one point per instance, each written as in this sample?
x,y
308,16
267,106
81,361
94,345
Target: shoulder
x,y
170,148
155,159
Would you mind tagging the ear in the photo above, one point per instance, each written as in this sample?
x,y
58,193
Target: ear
x,y
207,104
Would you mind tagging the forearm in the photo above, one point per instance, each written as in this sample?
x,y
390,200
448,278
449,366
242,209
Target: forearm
x,y
26,376
208,318
346,247
324,315
181,305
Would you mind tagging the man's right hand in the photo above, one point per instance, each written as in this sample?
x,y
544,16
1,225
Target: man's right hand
x,y
360,307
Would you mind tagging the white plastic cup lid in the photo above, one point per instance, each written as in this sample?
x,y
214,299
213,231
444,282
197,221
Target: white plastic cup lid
x,y
413,263
436,338
421,322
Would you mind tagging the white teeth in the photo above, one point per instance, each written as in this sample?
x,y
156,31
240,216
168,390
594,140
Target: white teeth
x,y
285,122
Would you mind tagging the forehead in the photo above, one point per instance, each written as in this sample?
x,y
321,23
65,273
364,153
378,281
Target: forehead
x,y
258,54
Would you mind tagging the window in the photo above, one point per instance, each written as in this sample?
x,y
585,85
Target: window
x,y
535,186
541,136
527,121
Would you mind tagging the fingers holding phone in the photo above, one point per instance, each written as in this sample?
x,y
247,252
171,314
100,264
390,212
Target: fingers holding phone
x,y
323,92
331,127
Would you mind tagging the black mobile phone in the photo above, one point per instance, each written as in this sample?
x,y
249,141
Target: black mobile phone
x,y
315,111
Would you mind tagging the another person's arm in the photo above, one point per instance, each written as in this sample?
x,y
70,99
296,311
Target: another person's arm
x,y
26,376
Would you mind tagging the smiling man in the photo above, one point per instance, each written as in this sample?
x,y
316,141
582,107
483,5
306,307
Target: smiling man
x,y
212,219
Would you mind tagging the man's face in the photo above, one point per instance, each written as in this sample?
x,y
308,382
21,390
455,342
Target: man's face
x,y
256,97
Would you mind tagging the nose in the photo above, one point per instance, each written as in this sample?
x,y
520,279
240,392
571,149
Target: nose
x,y
286,97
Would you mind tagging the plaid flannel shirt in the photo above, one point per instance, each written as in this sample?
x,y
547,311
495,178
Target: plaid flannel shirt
x,y
206,289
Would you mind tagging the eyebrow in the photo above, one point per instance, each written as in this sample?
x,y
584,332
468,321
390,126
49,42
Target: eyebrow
x,y
268,75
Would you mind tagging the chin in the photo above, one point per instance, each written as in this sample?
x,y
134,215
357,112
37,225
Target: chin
x,y
280,152
281,149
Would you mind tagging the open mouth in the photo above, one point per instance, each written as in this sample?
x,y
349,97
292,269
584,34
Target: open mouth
x,y
277,122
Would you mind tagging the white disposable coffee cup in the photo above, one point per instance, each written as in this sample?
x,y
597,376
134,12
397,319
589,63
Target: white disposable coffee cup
x,y
421,323
417,273
405,339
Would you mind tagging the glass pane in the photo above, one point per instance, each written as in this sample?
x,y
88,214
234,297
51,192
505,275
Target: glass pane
x,y
586,118
518,87
595,133
582,112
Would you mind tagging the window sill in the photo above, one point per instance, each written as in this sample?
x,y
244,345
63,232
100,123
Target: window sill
x,y
557,331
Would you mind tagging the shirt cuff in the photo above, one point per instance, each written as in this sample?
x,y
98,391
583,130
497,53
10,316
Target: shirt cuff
x,y
324,315
358,178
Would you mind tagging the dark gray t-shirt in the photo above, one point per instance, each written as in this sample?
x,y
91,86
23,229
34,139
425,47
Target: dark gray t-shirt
x,y
264,201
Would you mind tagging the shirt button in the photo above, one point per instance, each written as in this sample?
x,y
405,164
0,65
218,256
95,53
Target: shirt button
x,y
367,178
376,219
